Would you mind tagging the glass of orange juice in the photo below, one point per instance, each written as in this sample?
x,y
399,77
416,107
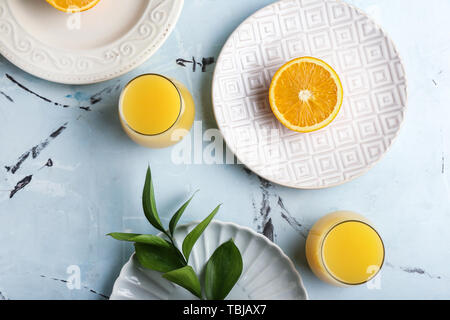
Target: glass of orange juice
x,y
156,111
344,249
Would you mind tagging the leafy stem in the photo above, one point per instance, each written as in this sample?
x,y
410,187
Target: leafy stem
x,y
156,253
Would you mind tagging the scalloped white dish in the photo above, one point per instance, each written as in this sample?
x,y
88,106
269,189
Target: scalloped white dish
x,y
96,45
268,273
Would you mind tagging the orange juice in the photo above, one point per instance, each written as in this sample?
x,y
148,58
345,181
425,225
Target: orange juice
x,y
156,111
344,249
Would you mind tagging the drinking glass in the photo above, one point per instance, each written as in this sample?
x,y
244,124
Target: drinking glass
x,y
156,111
344,249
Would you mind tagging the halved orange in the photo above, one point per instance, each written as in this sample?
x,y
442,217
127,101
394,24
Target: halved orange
x,y
306,94
73,6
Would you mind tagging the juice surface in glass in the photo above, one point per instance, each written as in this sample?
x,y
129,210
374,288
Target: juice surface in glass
x,y
156,111
343,249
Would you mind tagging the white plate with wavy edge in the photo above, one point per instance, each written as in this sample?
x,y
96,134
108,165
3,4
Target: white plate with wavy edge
x,y
268,273
88,47
373,77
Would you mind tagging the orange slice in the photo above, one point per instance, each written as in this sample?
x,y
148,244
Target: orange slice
x,y
306,94
73,5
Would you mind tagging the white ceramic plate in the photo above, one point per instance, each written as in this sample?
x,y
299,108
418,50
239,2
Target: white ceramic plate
x,y
268,273
367,63
96,45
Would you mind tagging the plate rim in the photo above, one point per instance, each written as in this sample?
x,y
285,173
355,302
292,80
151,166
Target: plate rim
x,y
169,26
223,224
368,168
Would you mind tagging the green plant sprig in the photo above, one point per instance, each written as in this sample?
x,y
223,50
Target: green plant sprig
x,y
223,269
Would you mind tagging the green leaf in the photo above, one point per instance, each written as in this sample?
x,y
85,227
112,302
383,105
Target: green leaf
x,y
193,236
223,270
123,236
162,257
140,238
149,203
186,278
176,217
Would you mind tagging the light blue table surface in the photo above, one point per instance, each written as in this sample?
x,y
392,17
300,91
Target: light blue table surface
x,y
94,186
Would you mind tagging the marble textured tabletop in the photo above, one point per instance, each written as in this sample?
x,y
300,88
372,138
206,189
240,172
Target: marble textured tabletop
x,y
85,176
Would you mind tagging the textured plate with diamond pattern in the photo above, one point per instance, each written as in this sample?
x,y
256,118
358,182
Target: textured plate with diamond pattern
x,y
96,45
370,69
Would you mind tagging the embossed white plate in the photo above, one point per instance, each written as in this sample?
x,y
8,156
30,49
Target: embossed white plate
x,y
104,42
268,273
367,63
